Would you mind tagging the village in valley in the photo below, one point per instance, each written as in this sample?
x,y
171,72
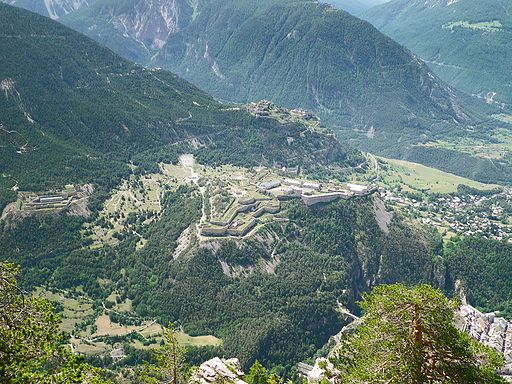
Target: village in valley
x,y
238,201
473,213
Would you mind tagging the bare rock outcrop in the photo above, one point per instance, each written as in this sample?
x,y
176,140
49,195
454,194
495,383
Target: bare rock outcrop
x,y
215,370
490,330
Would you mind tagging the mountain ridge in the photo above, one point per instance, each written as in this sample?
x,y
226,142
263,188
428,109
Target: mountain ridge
x,y
465,42
70,106
373,93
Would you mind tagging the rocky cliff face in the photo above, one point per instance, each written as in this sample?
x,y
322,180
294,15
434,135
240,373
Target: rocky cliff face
x,y
149,22
136,29
218,370
493,331
51,8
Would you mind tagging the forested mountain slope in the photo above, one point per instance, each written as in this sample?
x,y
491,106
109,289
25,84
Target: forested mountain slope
x,y
465,42
299,54
355,7
302,54
366,87
74,112
272,296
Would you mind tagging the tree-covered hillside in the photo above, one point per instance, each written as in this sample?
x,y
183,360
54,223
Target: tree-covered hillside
x,y
366,87
355,7
301,54
74,112
466,42
272,296
484,269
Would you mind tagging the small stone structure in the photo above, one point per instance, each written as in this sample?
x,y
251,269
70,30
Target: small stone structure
x,y
265,186
310,200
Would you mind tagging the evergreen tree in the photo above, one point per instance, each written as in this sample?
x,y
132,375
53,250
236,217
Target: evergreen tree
x,y
257,374
274,378
169,367
31,345
407,335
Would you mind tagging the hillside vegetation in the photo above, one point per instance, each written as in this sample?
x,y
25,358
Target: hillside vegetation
x,y
374,93
465,42
272,296
74,112
355,7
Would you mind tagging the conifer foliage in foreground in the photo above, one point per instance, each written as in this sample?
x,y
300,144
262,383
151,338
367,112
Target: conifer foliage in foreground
x,y
407,335
31,345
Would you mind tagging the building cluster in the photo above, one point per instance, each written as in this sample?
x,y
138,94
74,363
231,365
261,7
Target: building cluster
x,y
303,114
262,108
265,108
245,213
469,214
311,193
54,200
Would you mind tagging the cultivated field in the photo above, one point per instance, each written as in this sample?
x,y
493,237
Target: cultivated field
x,y
419,177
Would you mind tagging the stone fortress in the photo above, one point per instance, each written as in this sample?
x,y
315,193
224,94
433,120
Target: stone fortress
x,y
244,214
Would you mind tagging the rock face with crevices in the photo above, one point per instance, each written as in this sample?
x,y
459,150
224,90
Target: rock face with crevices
x,y
490,330
137,29
218,370
54,9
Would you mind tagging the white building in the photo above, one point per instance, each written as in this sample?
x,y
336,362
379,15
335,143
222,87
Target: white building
x,y
314,186
357,188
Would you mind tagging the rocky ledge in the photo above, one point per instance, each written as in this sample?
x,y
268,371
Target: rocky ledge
x,y
218,370
490,330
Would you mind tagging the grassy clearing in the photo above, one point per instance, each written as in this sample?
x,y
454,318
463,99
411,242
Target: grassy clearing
x,y
74,310
420,177
105,327
78,311
197,341
177,171
484,26
149,330
97,348
503,117
480,148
